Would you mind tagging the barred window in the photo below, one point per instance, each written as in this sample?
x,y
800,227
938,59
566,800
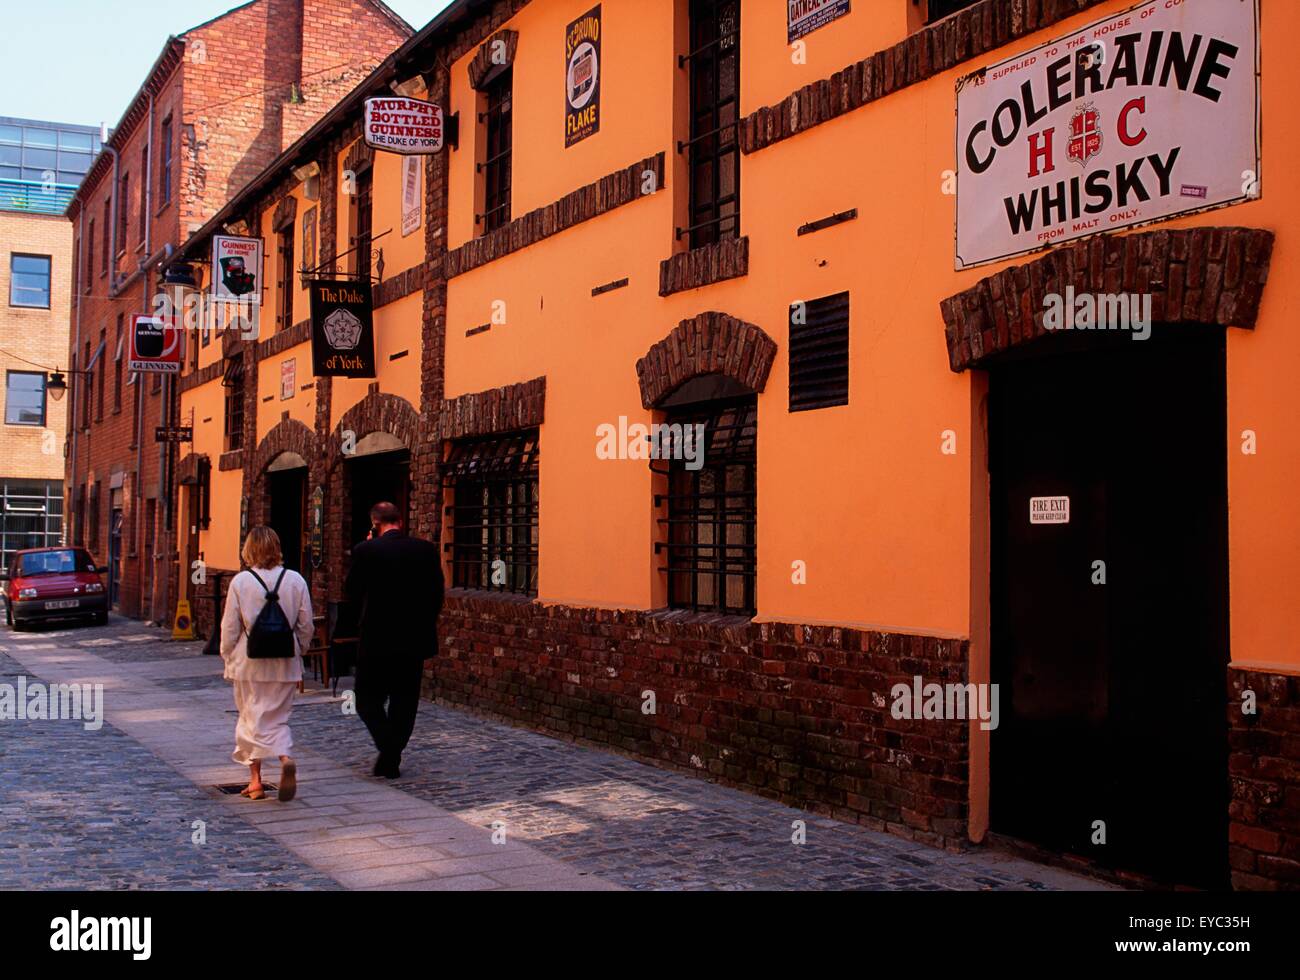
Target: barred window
x,y
713,147
939,9
493,495
233,382
499,149
710,537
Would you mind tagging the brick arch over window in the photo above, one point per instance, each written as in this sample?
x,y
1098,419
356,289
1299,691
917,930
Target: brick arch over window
x,y
1212,276
710,343
377,412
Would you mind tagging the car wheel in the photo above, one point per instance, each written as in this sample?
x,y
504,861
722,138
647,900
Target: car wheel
x,y
101,619
19,625
9,613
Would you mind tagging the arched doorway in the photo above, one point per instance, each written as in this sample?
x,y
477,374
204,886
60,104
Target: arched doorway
x,y
287,479
1107,544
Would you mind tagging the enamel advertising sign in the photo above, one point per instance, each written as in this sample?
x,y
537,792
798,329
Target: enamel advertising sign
x,y
401,125
237,270
1148,114
582,78
156,345
805,16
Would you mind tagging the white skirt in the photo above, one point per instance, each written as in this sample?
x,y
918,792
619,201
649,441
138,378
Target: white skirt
x,y
262,731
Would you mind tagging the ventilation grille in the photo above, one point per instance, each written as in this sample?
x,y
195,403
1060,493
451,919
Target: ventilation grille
x,y
819,353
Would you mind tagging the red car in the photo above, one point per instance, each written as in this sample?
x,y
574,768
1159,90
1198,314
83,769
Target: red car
x,y
53,583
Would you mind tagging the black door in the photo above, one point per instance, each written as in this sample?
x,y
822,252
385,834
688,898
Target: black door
x,y
288,490
1113,695
382,478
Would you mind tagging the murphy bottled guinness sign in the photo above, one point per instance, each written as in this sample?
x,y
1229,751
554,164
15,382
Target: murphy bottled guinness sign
x,y
1148,114
342,330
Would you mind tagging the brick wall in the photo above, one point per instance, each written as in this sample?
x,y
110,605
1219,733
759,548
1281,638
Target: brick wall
x,y
1264,774
796,713
35,452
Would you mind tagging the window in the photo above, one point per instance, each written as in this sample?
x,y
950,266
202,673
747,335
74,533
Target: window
x,y
233,382
499,137
31,516
93,532
89,375
123,199
108,221
711,511
144,184
29,281
165,164
285,287
118,362
493,492
819,353
25,398
714,148
101,356
939,9
90,255
76,265
363,223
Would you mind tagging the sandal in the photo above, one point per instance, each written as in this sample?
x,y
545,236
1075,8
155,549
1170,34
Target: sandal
x,y
288,787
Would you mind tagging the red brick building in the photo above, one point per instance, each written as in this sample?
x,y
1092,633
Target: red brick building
x,y
222,101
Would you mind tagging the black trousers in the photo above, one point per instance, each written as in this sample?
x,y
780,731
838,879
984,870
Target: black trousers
x,y
394,681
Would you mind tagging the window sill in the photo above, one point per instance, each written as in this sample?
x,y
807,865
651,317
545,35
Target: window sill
x,y
704,266
490,595
687,617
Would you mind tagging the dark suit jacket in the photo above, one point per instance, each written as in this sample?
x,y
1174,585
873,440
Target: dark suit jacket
x,y
395,590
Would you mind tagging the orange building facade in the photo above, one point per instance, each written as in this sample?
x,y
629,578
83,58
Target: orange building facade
x,y
739,216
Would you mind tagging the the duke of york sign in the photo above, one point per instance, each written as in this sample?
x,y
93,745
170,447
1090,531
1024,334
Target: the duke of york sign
x,y
1150,113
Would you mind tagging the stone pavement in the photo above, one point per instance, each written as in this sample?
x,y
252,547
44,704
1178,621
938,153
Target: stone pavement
x,y
481,805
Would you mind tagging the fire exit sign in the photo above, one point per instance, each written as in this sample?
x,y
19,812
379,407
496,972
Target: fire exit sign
x,y
1049,510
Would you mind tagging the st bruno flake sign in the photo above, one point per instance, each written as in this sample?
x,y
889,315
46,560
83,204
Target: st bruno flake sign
x,y
582,78
1150,113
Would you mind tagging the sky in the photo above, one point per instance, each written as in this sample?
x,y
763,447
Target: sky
x,y
81,61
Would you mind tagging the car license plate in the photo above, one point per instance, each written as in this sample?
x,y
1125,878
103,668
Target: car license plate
x,y
63,604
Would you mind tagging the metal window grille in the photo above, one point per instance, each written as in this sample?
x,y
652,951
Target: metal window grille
x,y
233,382
364,202
496,167
285,286
714,148
710,529
31,516
939,9
494,505
819,353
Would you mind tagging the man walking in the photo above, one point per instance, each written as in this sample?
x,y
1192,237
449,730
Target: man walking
x,y
395,588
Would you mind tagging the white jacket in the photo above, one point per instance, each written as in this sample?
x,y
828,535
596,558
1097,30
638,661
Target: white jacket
x,y
243,602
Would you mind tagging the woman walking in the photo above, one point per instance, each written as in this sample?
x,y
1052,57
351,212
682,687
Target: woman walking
x,y
266,677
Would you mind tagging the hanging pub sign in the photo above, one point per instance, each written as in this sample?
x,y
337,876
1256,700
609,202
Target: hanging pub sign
x,y
401,125
342,329
1147,114
805,16
236,269
156,345
582,78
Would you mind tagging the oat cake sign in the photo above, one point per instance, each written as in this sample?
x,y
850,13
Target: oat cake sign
x,y
1148,114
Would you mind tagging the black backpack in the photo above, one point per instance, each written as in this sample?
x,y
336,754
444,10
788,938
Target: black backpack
x,y
271,637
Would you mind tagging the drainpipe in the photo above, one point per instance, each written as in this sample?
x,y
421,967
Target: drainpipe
x,y
69,525
146,201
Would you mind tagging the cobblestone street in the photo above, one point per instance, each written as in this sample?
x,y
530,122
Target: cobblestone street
x,y
116,808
